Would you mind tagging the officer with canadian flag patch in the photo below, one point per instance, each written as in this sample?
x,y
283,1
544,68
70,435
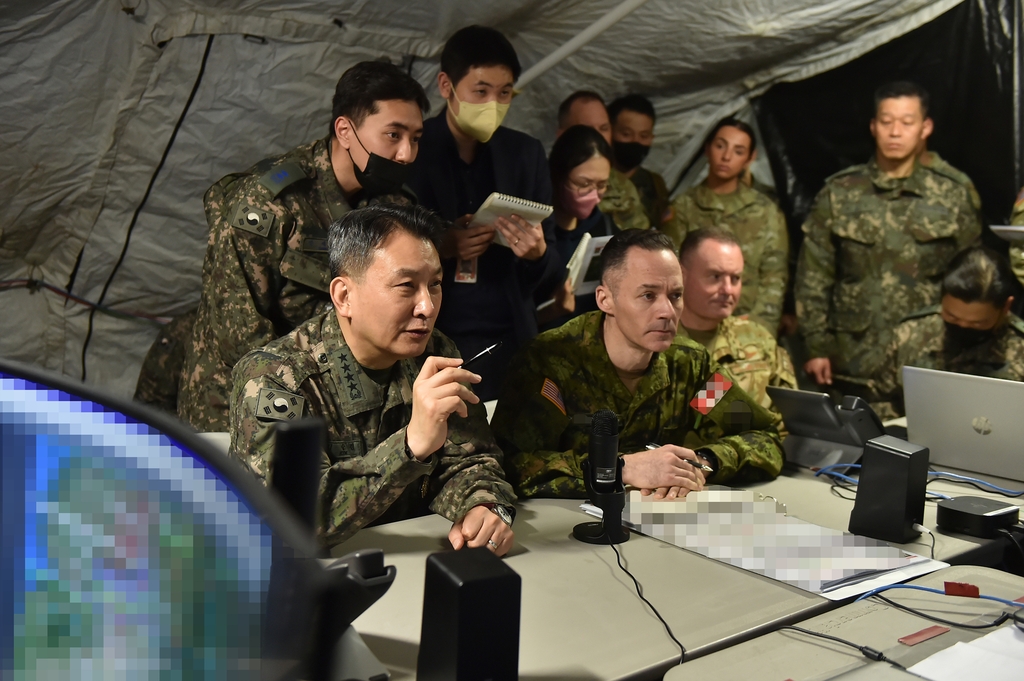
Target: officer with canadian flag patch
x,y
683,420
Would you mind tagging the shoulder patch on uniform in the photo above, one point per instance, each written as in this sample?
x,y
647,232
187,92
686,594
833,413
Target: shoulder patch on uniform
x,y
712,392
1017,324
923,312
252,219
551,393
280,176
279,405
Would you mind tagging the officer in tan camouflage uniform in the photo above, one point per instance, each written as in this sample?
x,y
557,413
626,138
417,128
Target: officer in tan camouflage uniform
x,y
712,263
621,201
971,332
632,118
406,435
161,370
723,200
266,263
876,245
628,358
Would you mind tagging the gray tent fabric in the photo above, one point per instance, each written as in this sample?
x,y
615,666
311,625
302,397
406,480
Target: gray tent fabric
x,y
92,94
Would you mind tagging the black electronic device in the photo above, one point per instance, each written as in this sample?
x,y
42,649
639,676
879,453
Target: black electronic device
x,y
976,516
891,491
300,444
822,433
602,474
471,603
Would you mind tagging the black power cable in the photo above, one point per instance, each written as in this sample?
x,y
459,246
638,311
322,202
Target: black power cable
x,y
142,203
639,592
866,651
913,611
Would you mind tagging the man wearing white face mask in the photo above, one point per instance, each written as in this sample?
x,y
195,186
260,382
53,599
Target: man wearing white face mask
x,y
465,155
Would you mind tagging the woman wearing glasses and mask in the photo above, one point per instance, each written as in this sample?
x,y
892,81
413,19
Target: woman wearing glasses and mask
x,y
580,163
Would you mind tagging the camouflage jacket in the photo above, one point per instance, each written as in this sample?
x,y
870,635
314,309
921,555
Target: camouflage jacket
x,y
366,473
566,373
265,270
875,249
161,370
933,161
760,228
622,202
752,356
1017,247
918,342
650,186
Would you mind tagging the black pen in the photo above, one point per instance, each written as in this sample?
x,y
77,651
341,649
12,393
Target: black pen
x,y
485,351
696,464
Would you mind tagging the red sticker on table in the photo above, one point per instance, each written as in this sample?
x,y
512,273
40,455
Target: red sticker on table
x,y
923,635
961,589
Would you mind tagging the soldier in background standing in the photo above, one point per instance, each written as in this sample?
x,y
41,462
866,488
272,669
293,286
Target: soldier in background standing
x,y
632,118
266,263
876,245
724,201
621,201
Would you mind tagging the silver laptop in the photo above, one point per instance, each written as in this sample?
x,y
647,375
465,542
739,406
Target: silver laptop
x,y
968,422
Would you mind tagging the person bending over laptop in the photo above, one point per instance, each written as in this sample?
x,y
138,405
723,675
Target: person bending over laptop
x,y
627,357
972,331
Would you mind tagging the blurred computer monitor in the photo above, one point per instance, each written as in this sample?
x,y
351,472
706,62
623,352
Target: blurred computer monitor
x,y
132,549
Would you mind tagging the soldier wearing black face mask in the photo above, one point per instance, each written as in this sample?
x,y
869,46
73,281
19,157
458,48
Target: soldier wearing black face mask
x,y
632,119
266,267
971,332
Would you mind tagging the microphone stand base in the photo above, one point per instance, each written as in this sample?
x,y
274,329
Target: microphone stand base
x,y
597,533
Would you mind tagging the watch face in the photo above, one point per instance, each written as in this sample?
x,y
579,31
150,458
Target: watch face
x,y
504,514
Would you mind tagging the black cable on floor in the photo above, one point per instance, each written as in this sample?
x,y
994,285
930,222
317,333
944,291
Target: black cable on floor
x,y
145,198
640,593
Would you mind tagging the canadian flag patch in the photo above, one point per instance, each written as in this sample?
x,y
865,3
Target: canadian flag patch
x,y
715,389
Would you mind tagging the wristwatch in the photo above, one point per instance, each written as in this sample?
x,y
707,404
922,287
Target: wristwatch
x,y
506,513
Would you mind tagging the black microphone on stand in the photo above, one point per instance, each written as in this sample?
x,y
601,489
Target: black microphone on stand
x,y
602,472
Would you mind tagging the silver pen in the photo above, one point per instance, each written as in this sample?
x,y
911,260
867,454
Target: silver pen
x,y
696,464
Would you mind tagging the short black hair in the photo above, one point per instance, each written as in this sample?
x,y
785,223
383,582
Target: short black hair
x,y
615,251
903,88
368,82
475,46
352,240
578,144
695,238
732,122
636,103
578,96
979,274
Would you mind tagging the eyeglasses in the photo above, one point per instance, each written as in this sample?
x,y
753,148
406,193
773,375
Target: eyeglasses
x,y
583,188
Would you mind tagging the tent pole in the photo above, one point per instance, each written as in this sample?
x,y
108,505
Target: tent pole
x,y
1018,85
578,41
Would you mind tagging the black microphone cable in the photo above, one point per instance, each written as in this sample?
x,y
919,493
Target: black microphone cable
x,y
640,593
866,651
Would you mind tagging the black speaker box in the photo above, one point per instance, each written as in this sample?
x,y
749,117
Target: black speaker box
x,y
890,495
470,632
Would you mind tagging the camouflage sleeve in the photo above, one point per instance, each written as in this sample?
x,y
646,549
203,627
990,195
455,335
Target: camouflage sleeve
x,y
623,203
815,278
773,273
783,373
245,277
969,219
161,370
887,383
677,225
742,434
530,428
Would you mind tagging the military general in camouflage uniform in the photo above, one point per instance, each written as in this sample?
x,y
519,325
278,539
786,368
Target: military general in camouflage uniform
x,y
627,357
266,263
971,332
712,264
876,245
406,435
621,200
724,200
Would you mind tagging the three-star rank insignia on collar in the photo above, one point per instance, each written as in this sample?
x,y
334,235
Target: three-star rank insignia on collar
x,y
252,219
279,405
